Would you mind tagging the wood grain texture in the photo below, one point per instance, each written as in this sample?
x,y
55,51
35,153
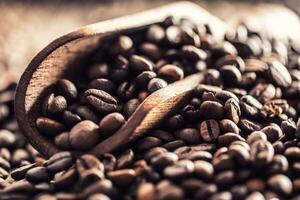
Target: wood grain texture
x,y
68,53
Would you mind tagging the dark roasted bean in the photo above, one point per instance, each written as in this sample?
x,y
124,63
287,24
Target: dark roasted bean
x,y
209,130
101,100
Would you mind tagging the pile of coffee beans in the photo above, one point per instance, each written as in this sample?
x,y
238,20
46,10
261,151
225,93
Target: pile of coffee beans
x,y
237,138
129,69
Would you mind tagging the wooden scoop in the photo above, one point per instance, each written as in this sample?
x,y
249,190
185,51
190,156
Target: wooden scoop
x,y
68,54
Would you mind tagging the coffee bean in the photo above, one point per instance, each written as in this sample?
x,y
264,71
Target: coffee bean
x,y
248,126
109,161
140,64
146,192
155,33
20,173
151,50
67,89
84,135
49,127
272,132
126,90
228,138
189,135
88,162
193,54
143,79
211,110
173,35
280,183
227,125
263,92
164,159
101,100
130,107
125,159
122,45
62,141
156,84
171,73
292,153
209,130
230,75
7,138
65,179
70,119
181,169
148,143
250,106
98,70
111,123
279,75
168,191
38,174
255,196
261,153
98,197
59,162
103,84
122,177
163,135
203,169
85,113
255,136
232,110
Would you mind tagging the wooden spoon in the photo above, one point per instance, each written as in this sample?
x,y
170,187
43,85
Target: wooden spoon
x,y
68,53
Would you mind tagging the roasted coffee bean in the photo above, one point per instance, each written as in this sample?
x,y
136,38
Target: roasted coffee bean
x,y
98,197
130,107
98,70
255,136
189,135
151,50
103,84
211,110
248,126
227,125
180,169
148,143
65,179
85,113
171,73
168,191
280,183
7,138
230,75
204,169
163,135
49,127
155,33
250,106
38,174
84,135
125,159
88,162
263,92
272,132
101,100
232,110
292,153
156,84
164,159
143,79
110,124
174,35
122,177
140,64
62,141
126,90
278,74
261,153
20,172
70,119
59,162
193,54
67,89
146,192
122,45
209,130
109,161
228,138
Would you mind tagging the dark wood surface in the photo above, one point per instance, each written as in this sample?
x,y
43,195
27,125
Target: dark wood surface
x,y
59,56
